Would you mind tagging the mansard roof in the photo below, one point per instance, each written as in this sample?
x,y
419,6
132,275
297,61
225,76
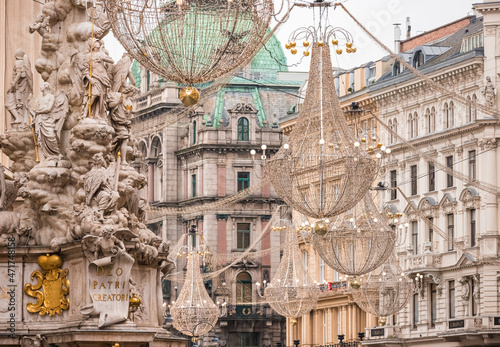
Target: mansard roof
x,y
442,53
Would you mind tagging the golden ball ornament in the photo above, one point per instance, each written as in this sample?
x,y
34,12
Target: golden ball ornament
x,y
293,44
354,50
363,139
355,284
134,301
348,50
189,96
339,51
288,46
348,44
321,43
293,51
194,339
306,53
382,321
335,42
293,321
306,43
321,228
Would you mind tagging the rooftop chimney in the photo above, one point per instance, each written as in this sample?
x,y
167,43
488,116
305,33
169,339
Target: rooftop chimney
x,y
408,28
397,38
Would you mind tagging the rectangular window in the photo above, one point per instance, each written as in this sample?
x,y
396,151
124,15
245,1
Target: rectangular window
x,y
415,310
472,217
243,180
472,165
432,297
305,259
335,276
243,235
451,299
193,185
449,177
451,231
432,177
394,183
431,232
414,237
321,270
413,170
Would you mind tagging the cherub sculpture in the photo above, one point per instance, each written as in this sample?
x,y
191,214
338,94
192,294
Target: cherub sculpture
x,y
42,25
16,99
98,187
106,245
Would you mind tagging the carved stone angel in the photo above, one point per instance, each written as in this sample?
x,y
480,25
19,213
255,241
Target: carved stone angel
x,y
8,191
49,113
106,245
16,99
98,187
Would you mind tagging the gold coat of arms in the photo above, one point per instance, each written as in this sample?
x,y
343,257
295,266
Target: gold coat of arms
x,y
55,286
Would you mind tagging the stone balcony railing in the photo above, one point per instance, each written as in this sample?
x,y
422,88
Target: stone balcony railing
x,y
166,93
424,261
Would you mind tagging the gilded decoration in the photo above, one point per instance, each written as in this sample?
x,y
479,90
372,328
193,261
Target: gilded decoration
x,y
51,299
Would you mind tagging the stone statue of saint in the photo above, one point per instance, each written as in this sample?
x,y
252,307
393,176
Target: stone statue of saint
x,y
8,191
98,187
49,113
489,92
98,80
16,99
120,116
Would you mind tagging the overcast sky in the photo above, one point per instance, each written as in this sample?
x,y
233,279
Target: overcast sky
x,y
378,15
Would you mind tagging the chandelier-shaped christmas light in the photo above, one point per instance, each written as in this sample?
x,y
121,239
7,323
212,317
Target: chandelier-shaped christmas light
x,y
291,292
357,242
320,172
190,41
384,291
194,313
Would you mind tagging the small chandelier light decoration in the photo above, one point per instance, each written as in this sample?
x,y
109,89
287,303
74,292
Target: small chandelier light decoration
x,y
356,242
194,313
384,291
291,292
190,41
320,172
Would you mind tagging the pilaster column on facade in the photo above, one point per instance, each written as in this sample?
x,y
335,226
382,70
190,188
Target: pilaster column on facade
x,y
221,180
266,240
151,178
222,233
489,290
489,175
200,186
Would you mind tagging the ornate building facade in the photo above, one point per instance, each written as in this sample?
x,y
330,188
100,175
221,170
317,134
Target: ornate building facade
x,y
454,258
206,157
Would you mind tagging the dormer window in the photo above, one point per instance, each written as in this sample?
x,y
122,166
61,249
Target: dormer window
x,y
472,42
418,59
396,69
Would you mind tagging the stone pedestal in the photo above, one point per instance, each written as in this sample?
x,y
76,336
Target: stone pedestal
x,y
71,327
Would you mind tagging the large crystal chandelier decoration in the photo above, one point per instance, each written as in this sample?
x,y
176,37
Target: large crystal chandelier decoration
x,y
320,172
194,313
291,292
357,241
190,41
384,291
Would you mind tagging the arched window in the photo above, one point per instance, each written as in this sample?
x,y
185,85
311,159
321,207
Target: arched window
x,y
415,124
418,59
428,120
395,125
391,129
243,129
410,126
446,111
156,178
433,119
243,288
452,114
396,69
194,132
474,108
